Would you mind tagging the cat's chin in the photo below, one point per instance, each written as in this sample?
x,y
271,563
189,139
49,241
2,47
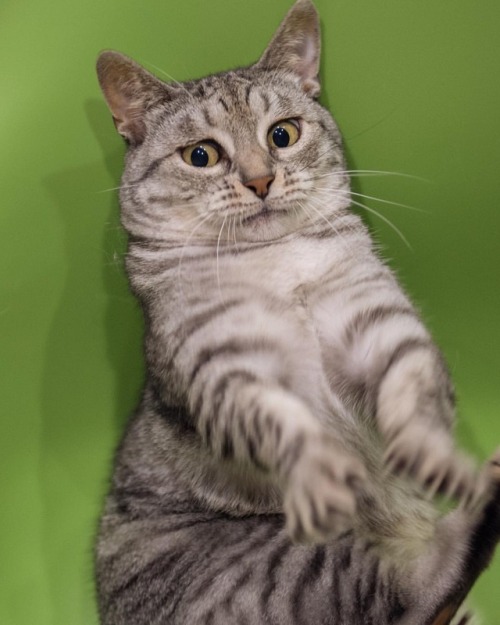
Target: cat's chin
x,y
266,224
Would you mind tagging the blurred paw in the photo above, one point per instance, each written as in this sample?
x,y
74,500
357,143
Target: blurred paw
x,y
428,456
320,498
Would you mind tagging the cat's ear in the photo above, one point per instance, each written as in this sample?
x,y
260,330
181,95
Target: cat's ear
x,y
296,46
130,91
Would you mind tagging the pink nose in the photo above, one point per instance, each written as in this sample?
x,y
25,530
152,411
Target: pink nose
x,y
260,186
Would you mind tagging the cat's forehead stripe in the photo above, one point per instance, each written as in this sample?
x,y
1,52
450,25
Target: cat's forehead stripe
x,y
208,119
224,104
231,91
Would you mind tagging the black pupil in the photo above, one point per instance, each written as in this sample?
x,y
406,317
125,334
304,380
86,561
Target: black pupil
x,y
281,138
199,157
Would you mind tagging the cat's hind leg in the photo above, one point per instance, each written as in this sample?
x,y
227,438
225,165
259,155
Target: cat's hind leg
x,y
464,544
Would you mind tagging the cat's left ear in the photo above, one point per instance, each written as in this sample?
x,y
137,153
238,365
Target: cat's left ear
x,y
130,91
296,46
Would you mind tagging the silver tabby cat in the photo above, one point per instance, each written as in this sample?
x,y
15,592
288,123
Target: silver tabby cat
x,y
296,417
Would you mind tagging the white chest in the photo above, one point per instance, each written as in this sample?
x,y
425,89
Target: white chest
x,y
286,269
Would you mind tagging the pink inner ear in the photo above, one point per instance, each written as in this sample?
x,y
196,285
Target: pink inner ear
x,y
307,68
128,89
309,55
296,46
308,64
126,111
117,103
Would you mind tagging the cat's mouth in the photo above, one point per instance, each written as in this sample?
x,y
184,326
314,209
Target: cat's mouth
x,y
264,214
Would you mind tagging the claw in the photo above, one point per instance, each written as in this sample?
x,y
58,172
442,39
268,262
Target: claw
x,y
320,499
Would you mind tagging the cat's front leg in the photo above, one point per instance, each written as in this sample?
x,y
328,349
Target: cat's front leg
x,y
246,420
238,367
320,496
414,408
397,372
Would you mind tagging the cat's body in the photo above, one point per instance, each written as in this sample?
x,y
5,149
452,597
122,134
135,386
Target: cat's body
x,y
291,388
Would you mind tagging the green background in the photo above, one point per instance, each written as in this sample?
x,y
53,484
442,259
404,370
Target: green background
x,y
415,87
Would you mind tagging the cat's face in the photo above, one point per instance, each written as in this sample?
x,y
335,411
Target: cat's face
x,y
247,155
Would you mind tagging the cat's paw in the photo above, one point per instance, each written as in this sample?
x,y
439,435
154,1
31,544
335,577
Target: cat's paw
x,y
428,456
320,497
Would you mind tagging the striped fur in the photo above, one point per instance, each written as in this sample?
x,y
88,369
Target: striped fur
x,y
296,409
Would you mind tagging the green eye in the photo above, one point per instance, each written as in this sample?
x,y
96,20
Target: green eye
x,y
204,154
283,134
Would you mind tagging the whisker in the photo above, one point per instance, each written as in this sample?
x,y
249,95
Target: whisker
x,y
379,199
371,172
296,211
171,78
311,163
115,260
374,212
348,193
372,126
122,186
320,214
234,233
384,219
186,243
217,255
276,70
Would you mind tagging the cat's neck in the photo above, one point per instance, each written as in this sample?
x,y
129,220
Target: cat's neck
x,y
281,266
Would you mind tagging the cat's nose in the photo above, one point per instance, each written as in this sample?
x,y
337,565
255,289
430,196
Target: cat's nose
x,y
260,186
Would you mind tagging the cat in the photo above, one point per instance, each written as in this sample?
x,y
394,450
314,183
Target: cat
x,y
296,419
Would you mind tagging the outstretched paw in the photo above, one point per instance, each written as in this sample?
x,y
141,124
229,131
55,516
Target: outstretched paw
x,y
320,497
428,456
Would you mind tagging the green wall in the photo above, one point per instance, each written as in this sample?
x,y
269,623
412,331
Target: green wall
x,y
414,85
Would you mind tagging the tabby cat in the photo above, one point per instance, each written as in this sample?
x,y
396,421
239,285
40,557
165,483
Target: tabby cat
x,y
296,418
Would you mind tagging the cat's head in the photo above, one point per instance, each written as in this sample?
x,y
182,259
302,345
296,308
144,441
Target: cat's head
x,y
245,155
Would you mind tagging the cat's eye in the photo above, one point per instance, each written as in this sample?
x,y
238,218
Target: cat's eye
x,y
203,154
284,133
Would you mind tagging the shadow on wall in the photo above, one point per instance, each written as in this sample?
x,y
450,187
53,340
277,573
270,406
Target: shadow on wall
x,y
93,362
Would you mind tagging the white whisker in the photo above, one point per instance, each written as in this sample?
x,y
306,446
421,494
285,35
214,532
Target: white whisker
x,y
186,243
234,233
171,78
311,163
347,193
320,214
217,255
386,220
370,172
331,191
122,186
379,199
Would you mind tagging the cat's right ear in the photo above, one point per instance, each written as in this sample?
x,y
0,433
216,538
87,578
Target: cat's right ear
x,y
130,91
296,46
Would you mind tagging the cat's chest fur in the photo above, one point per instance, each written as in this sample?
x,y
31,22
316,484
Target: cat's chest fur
x,y
290,271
